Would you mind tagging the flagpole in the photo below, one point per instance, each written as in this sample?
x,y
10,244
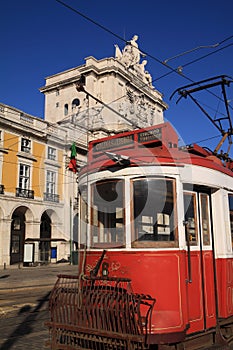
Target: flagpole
x,y
71,226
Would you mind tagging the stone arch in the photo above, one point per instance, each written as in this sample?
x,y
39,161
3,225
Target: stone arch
x,y
75,103
25,210
45,237
19,217
66,109
52,215
48,221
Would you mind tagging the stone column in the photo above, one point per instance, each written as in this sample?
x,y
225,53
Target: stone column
x,y
5,241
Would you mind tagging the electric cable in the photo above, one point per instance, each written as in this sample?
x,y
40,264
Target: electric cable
x,y
125,41
172,70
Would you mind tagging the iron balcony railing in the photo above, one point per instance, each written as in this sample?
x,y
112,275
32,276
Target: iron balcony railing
x,y
51,197
22,192
1,189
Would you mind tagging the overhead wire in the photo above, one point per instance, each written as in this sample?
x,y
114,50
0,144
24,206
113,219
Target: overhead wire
x,y
172,70
207,55
207,139
17,138
146,53
59,173
125,41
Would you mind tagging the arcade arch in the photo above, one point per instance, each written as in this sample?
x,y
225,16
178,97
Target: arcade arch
x,y
18,229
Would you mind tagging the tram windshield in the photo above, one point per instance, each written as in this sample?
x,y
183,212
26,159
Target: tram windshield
x,y
154,213
151,215
107,217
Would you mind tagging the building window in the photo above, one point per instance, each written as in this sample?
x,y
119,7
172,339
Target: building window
x,y
15,244
230,199
66,108
24,181
2,189
25,145
75,103
50,194
57,104
51,153
50,182
57,92
24,173
16,224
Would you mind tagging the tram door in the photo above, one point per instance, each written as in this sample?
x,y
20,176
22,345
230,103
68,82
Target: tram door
x,y
200,267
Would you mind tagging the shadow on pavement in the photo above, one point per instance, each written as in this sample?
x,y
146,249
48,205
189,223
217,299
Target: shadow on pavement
x,y
4,276
26,326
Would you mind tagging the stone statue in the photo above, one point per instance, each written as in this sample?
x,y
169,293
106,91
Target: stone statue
x,y
134,50
145,74
148,78
130,57
142,66
130,54
118,53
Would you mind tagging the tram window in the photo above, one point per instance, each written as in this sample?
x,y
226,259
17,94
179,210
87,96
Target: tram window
x,y
190,216
107,218
230,199
205,219
154,213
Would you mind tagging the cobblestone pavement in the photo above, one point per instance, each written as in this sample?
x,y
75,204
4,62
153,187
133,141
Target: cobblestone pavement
x,y
20,286
24,297
26,331
24,277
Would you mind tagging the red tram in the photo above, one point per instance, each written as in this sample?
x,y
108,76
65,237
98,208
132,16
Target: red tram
x,y
163,216
155,245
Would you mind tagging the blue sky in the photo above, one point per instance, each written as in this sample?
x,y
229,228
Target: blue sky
x,y
41,38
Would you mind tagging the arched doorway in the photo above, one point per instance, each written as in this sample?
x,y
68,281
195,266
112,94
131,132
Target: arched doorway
x,y
17,236
45,238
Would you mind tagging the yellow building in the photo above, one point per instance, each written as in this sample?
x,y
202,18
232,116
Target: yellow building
x,y
36,220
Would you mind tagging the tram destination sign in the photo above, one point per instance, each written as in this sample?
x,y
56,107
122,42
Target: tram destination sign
x,y
142,137
150,135
114,142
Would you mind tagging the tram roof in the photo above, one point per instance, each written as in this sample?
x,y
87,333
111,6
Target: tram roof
x,y
155,144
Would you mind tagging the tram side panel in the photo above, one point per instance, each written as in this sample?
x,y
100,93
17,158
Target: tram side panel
x,y
195,295
180,307
208,286
223,220
200,290
225,287
162,275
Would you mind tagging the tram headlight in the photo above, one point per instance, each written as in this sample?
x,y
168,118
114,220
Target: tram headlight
x,y
105,271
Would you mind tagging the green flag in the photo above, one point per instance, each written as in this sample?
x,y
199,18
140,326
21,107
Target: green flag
x,y
73,151
72,166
